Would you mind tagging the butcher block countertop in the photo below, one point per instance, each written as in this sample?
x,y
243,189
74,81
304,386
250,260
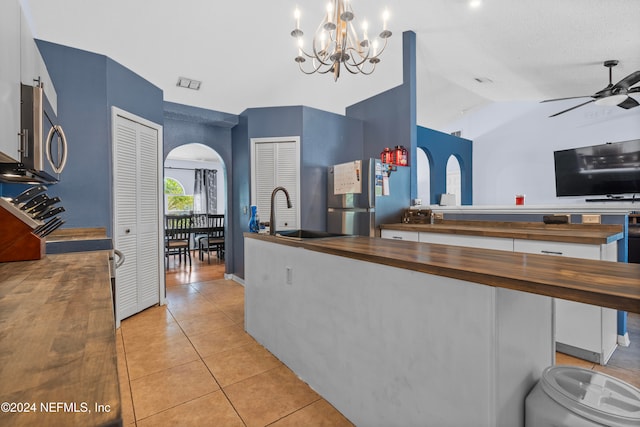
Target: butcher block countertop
x,y
570,233
603,283
57,342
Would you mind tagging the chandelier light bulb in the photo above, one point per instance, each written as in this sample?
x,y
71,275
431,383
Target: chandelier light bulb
x,y
296,14
385,18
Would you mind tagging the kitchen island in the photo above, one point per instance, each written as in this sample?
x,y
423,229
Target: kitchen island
x,y
586,331
57,342
404,333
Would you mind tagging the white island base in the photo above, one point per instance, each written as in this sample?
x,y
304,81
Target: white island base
x,y
393,347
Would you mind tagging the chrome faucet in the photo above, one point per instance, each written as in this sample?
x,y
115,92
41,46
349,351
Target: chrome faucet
x,y
272,217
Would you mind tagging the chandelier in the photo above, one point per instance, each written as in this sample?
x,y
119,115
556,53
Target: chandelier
x,y
336,43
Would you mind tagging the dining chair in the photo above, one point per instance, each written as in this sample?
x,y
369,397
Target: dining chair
x,y
178,236
214,240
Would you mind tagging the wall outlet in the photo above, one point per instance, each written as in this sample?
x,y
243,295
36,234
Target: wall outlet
x,y
591,219
289,275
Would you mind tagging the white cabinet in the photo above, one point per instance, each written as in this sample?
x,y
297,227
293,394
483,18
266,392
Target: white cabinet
x,y
582,330
498,243
20,62
412,236
32,66
9,77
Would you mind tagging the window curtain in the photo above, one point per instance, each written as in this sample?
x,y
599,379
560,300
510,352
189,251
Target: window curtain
x,y
205,191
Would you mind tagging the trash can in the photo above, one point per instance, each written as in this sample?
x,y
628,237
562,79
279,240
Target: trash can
x,y
568,396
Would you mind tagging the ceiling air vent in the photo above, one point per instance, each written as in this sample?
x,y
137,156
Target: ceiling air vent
x,y
188,83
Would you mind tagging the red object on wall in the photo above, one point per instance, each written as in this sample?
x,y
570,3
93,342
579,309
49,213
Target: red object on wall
x,y
400,156
385,156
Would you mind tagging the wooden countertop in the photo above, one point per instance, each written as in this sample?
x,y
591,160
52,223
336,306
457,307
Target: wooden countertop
x,y
570,233
57,342
609,284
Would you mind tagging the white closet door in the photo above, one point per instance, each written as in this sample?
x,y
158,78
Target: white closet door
x,y
276,163
136,216
126,215
148,238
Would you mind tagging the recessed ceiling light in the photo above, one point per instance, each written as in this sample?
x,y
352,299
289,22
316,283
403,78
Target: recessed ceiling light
x,y
474,4
188,83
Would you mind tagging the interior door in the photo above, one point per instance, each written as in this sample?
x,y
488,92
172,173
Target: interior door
x,y
137,213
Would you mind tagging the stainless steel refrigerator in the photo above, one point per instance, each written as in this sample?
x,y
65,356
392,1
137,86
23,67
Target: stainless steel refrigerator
x,y
355,201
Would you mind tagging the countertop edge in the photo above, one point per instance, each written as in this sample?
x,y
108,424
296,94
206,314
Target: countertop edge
x,y
529,281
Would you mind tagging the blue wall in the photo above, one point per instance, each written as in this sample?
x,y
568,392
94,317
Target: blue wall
x,y
439,146
185,125
88,85
390,117
325,139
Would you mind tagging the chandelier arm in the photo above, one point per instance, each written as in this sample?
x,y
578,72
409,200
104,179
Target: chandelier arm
x,y
381,50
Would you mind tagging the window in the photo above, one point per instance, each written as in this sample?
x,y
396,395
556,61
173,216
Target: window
x,y
175,199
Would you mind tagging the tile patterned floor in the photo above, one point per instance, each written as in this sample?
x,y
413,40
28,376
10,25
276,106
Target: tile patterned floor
x,y
191,363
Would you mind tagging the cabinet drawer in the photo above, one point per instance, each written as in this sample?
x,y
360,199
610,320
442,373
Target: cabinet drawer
x,y
497,243
411,236
574,250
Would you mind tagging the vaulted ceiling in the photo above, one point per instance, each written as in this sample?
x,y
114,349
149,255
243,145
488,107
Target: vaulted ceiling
x,y
466,57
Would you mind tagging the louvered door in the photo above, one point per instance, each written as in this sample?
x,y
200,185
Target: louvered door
x,y
275,162
136,214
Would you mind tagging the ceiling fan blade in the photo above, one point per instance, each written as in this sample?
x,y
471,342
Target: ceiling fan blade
x,y
628,81
570,97
628,103
573,108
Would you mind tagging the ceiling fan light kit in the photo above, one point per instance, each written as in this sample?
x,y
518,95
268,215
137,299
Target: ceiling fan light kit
x,y
612,95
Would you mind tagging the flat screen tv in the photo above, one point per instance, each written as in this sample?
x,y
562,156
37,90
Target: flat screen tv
x,y
606,169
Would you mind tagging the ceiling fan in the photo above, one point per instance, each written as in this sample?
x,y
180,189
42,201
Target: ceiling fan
x,y
613,94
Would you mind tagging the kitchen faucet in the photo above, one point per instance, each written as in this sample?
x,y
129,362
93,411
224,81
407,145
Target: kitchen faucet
x,y
272,217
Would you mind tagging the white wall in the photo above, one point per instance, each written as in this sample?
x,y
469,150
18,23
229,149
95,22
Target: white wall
x,y
513,145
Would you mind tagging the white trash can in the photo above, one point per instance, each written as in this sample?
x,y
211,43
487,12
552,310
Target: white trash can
x,y
567,396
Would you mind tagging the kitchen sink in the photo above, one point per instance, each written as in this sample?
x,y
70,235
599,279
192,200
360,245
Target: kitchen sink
x,y
306,234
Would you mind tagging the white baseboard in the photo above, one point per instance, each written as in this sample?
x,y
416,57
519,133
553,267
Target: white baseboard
x,y
623,340
234,278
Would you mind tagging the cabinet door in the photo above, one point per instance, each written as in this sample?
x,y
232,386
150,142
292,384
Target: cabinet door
x,y
32,66
586,327
498,243
276,163
9,77
411,236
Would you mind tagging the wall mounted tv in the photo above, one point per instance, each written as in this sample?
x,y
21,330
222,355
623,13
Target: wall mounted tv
x,y
606,169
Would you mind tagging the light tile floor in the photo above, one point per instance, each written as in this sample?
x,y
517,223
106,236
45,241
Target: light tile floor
x,y
191,364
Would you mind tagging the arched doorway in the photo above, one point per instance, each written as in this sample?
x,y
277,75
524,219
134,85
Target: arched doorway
x,y
180,175
454,178
423,172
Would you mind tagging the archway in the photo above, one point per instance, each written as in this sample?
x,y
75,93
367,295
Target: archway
x,y
180,167
423,172
454,178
